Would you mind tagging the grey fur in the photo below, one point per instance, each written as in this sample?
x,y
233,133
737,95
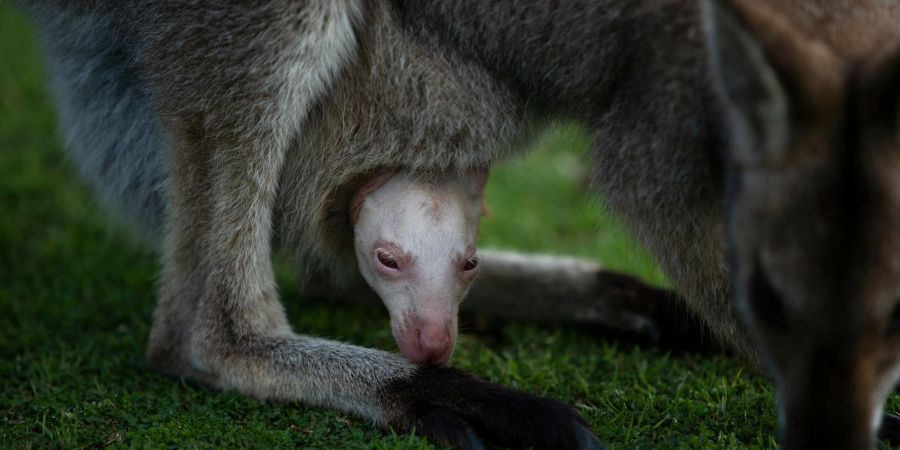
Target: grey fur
x,y
95,90
113,74
230,104
637,75
390,110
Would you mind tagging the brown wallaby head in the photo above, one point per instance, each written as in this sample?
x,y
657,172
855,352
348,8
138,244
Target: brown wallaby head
x,y
813,216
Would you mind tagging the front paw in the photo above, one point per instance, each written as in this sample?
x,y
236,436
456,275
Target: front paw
x,y
455,409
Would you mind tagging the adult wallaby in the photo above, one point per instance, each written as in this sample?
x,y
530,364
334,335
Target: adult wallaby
x,y
251,91
211,125
752,146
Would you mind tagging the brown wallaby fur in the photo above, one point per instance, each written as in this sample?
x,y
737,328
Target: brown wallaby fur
x,y
750,145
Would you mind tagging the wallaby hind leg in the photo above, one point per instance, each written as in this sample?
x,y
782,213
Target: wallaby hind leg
x,y
565,290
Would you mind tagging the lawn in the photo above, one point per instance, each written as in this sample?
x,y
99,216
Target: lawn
x,y
76,296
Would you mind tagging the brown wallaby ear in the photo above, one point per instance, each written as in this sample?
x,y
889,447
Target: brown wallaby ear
x,y
756,99
766,73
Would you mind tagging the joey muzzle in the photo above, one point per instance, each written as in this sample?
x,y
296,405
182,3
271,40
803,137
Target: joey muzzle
x,y
426,341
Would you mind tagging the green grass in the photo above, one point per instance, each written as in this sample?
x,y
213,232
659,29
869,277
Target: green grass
x,y
76,297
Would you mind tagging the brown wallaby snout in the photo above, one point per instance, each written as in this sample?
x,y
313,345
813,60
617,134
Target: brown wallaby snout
x,y
813,217
830,396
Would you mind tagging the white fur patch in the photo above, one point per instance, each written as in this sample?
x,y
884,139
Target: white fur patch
x,y
428,228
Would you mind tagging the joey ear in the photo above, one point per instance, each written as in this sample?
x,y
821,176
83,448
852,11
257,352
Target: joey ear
x,y
755,97
478,178
481,178
370,186
475,179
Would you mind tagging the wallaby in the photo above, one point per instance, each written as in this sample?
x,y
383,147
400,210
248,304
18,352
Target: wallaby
x,y
219,128
752,146
414,238
735,138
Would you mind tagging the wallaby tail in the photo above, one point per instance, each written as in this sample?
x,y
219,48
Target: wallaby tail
x,y
108,122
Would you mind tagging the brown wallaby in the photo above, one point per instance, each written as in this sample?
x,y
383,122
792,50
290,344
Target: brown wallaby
x,y
745,142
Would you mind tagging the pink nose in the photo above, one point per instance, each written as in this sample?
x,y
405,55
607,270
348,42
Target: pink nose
x,y
426,342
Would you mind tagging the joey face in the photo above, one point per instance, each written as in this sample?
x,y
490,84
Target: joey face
x,y
813,221
415,246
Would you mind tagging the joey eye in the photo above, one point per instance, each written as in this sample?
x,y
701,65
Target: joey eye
x,y
765,302
893,326
387,260
471,264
